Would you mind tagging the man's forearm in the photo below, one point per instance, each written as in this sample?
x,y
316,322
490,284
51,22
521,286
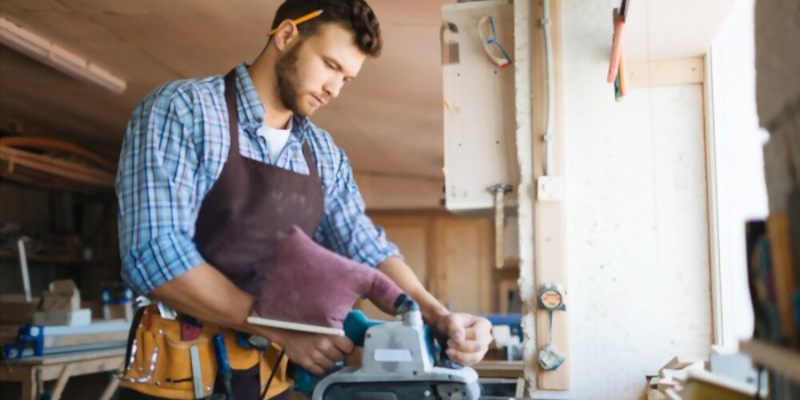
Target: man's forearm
x,y
396,269
204,293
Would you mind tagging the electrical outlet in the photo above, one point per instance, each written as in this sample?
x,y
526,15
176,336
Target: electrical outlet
x,y
549,188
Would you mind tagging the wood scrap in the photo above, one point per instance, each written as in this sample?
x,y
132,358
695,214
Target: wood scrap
x,y
53,164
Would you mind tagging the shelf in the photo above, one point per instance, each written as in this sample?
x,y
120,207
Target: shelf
x,y
64,260
779,360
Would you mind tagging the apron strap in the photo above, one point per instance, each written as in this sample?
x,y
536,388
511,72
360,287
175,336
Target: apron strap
x,y
310,160
233,113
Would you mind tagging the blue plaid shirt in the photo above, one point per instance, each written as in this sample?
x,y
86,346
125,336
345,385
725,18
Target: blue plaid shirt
x,y
174,149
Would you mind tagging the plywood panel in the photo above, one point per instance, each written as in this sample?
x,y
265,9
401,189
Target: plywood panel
x,y
451,255
465,264
411,234
479,109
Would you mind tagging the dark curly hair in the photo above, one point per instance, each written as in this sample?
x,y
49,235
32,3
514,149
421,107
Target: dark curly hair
x,y
355,15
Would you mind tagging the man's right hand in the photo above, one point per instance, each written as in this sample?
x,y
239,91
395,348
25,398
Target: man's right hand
x,y
314,352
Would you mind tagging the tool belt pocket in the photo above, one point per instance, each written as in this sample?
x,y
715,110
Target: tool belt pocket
x,y
160,363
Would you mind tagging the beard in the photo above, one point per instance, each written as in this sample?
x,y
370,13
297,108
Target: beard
x,y
289,81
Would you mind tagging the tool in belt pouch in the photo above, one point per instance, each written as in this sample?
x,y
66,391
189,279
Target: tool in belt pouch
x,y
161,354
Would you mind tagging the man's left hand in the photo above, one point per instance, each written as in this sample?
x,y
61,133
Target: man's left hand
x,y
469,337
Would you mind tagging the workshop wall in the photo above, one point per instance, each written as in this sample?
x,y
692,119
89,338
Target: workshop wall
x,y
22,209
636,218
451,255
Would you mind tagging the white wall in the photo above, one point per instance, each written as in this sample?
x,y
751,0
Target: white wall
x,y
637,221
738,140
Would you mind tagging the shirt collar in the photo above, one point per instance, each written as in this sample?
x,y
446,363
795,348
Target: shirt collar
x,y
251,110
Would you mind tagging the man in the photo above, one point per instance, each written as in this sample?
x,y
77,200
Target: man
x,y
211,170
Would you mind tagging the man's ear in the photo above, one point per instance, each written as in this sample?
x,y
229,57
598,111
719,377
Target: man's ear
x,y
286,35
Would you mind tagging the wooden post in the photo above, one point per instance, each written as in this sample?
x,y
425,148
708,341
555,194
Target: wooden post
x,y
549,217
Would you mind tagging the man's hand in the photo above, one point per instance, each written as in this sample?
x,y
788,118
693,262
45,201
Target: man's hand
x,y
316,353
468,337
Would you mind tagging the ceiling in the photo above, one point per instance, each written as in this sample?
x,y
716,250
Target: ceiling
x,y
389,120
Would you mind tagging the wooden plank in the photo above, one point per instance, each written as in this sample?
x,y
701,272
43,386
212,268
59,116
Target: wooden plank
x,y
57,172
780,360
500,369
55,144
66,168
82,364
666,72
29,387
80,339
110,389
550,221
63,358
61,383
38,179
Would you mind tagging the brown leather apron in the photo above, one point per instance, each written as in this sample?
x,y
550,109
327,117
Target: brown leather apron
x,y
236,232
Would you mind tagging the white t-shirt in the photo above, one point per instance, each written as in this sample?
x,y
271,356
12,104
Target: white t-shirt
x,y
276,139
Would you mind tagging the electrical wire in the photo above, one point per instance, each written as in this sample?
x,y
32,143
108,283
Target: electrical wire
x,y
272,374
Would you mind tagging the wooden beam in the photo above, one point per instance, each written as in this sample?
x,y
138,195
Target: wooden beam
x,y
52,166
549,220
13,154
680,71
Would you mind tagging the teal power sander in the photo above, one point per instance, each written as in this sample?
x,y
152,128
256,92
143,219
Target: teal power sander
x,y
402,360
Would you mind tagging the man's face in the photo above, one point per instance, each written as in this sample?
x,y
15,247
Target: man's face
x,y
312,72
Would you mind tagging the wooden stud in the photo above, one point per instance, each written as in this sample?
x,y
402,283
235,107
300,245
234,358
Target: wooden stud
x,y
550,216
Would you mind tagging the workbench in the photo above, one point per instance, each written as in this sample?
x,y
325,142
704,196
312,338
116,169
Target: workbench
x,y
61,367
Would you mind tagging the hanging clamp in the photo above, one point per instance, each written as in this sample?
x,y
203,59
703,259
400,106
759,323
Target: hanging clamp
x,y
551,299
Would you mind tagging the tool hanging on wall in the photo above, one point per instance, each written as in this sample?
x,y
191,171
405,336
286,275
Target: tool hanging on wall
x,y
619,16
551,299
499,191
448,36
616,67
496,52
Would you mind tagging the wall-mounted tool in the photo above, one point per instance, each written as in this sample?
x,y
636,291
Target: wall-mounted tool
x,y
551,299
499,192
496,52
448,36
620,15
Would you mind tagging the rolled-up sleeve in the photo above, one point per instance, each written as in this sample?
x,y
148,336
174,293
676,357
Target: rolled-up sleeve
x,y
345,227
156,190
